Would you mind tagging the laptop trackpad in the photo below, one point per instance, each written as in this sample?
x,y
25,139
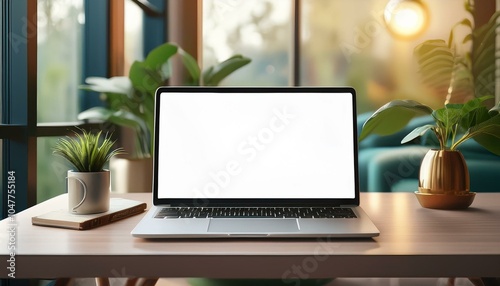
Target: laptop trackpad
x,y
252,225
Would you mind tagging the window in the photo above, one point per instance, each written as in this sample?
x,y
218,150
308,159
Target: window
x,y
1,103
134,33
347,43
341,43
1,77
39,83
72,42
258,29
1,170
60,31
16,106
60,43
375,63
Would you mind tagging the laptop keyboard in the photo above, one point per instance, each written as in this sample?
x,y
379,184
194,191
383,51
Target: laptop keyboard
x,y
265,212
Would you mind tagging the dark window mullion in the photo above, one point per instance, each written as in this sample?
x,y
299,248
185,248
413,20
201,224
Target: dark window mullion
x,y
13,131
67,128
154,28
19,98
19,130
95,53
297,17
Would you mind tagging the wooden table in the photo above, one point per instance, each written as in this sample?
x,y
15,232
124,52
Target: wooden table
x,y
414,242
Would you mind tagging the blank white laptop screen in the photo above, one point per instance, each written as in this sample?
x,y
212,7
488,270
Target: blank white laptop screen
x,y
256,146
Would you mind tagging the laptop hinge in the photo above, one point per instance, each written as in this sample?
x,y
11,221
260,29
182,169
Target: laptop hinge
x,y
348,206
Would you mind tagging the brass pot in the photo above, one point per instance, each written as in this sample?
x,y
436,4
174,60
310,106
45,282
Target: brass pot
x,y
444,181
443,172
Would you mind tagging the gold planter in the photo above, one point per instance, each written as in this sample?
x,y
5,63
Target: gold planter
x,y
444,181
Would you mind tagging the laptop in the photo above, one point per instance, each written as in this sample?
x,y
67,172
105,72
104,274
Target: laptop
x,y
255,162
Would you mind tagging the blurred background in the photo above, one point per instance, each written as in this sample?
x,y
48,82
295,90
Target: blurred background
x,y
340,43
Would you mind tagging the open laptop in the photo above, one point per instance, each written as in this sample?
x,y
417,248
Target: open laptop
x,y
255,162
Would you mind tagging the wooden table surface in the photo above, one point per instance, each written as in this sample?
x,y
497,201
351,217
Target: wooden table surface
x,y
414,242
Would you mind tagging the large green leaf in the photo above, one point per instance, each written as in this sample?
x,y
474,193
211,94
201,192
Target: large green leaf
x,y
95,113
484,55
485,81
487,134
393,117
143,78
465,22
474,112
485,35
119,85
436,61
122,118
213,76
160,55
447,120
126,118
469,6
191,65
417,132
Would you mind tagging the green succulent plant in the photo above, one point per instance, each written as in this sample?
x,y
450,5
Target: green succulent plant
x,y
87,152
130,100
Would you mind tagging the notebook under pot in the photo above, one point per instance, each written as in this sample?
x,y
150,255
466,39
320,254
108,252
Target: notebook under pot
x,y
255,162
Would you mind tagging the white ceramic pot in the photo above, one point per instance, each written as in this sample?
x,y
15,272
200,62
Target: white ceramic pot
x,y
88,192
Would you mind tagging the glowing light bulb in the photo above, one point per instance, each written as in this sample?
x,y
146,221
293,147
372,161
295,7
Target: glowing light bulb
x,y
406,18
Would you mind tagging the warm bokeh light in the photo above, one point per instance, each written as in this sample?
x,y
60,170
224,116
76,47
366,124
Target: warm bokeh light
x,y
406,18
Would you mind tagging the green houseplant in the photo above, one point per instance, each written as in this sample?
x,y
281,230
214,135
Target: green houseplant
x,y
444,177
470,81
89,183
131,99
454,123
130,103
461,75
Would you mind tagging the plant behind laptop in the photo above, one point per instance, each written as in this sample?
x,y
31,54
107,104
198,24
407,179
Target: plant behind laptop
x,y
131,99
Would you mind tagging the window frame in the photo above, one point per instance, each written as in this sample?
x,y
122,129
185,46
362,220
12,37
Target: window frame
x,y
18,105
181,13
19,129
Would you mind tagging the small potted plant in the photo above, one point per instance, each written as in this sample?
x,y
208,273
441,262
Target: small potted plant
x,y
444,178
89,182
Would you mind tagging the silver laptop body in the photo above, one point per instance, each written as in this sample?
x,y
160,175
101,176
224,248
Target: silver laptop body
x,y
251,156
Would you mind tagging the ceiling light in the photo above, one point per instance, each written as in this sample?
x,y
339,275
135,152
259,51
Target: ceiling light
x,y
406,19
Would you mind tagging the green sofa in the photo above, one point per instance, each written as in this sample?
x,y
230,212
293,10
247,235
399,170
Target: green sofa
x,y
387,166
